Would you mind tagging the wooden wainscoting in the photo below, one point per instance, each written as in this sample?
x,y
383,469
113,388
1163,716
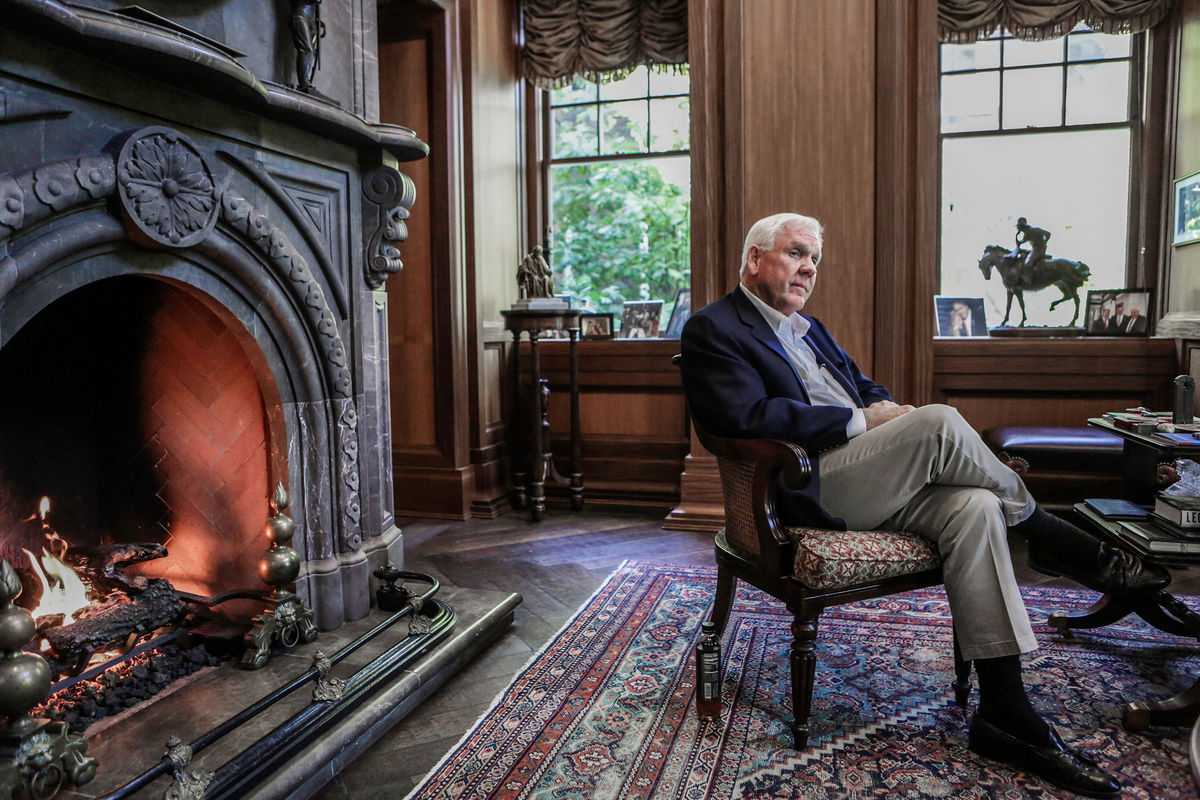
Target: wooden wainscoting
x,y
1051,381
632,414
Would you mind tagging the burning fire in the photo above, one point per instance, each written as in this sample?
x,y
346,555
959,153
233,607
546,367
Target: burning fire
x,y
62,590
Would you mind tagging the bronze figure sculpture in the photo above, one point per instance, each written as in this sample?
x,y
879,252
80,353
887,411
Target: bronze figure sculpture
x,y
534,277
307,30
1020,273
1035,237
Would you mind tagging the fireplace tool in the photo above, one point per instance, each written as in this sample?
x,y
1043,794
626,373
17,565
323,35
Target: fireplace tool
x,y
36,755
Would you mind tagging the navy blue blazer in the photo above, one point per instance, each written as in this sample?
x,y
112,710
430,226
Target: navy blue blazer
x,y
741,384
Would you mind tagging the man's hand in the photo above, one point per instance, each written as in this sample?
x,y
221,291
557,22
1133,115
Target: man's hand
x,y
878,413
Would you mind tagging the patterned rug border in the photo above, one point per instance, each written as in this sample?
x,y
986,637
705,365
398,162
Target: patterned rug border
x,y
625,566
1065,599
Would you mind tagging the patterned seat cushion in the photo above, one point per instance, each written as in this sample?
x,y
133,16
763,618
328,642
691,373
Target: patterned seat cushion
x,y
828,559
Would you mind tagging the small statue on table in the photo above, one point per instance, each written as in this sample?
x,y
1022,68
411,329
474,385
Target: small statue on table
x,y
535,283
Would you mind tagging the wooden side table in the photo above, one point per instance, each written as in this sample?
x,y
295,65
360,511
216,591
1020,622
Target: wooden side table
x,y
533,413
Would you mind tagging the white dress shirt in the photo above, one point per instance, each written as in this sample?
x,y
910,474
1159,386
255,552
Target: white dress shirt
x,y
823,388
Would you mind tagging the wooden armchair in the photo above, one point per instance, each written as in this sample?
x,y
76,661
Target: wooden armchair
x,y
808,569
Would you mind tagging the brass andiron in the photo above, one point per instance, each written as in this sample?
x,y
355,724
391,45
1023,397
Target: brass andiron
x,y
186,784
287,620
37,756
389,596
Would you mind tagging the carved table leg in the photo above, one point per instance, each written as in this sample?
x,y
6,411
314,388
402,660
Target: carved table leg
x,y
1182,709
1105,611
537,458
576,455
519,475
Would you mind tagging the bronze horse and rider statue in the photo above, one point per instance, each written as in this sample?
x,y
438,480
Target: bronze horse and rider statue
x,y
1032,269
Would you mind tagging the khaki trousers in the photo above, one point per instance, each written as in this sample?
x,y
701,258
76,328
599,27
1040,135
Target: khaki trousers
x,y
929,473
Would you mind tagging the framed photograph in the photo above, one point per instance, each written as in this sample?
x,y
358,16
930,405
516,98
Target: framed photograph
x,y
680,313
1187,210
639,319
596,326
1117,312
960,316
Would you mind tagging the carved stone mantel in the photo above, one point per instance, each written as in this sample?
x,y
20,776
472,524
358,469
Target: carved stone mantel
x,y
139,148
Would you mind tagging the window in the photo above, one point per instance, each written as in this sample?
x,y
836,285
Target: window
x,y
1041,130
620,191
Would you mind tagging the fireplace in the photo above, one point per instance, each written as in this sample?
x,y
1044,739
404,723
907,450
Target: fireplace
x,y
191,262
196,223
137,409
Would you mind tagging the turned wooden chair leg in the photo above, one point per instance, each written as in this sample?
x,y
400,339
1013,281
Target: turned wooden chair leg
x,y
726,586
962,675
804,670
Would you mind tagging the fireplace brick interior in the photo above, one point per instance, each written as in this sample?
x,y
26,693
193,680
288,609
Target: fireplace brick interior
x,y
165,418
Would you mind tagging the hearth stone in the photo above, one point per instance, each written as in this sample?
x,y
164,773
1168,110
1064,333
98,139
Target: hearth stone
x,y
132,743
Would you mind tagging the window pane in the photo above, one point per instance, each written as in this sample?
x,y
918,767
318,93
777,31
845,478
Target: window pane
x,y
1033,97
632,86
1098,45
621,231
575,131
1018,53
669,124
1098,93
987,183
970,102
669,83
623,127
980,55
581,91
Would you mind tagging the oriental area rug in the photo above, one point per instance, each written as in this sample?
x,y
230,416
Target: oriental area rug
x,y
606,709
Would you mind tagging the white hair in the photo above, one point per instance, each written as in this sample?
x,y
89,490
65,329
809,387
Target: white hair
x,y
762,233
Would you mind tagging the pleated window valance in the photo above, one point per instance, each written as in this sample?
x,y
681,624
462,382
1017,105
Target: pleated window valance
x,y
600,39
965,21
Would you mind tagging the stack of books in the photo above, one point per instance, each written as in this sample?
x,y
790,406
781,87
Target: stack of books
x,y
1173,527
1137,421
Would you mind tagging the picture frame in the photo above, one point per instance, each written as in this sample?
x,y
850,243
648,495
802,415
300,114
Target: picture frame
x,y
1117,312
1187,210
639,319
959,317
679,313
596,326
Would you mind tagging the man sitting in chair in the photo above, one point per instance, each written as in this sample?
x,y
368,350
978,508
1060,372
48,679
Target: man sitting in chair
x,y
755,367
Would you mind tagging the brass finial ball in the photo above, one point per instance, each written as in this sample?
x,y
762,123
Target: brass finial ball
x,y
280,529
279,566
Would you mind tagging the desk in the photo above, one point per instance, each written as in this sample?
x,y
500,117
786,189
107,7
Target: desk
x,y
1161,609
1140,459
534,415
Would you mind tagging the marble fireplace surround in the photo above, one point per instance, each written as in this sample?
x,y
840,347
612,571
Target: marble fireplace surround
x,y
133,149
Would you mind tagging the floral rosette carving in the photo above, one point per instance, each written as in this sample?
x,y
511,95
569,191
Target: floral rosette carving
x,y
166,189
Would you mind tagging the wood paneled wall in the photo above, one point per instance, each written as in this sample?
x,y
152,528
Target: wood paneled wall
x,y
791,113
1182,300
421,84
493,176
1057,382
632,414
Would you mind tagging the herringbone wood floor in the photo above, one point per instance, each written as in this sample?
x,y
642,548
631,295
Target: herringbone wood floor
x,y
556,566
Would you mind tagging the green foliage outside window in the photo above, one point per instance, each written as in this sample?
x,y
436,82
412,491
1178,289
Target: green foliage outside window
x,y
620,229
621,233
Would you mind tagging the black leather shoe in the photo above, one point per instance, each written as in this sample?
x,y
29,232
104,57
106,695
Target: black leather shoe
x,y
1055,761
1115,572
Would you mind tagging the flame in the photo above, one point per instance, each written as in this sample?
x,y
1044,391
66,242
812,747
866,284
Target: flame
x,y
44,508
62,590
